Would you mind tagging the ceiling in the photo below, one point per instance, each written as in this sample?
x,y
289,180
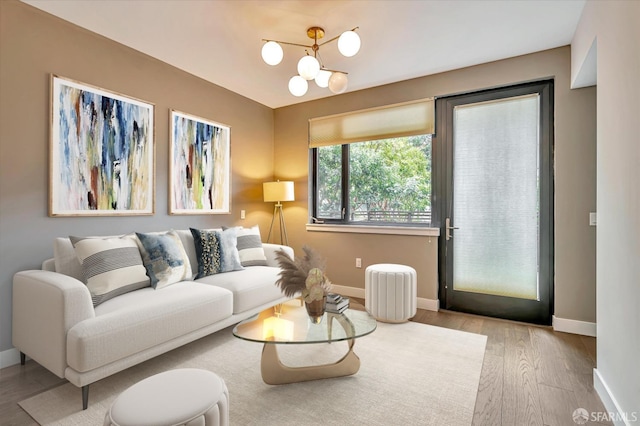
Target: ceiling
x,y
220,41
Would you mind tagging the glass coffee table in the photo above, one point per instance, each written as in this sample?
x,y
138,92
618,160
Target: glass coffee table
x,y
289,324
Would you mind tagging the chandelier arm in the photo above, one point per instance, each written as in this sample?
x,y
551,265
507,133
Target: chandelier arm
x,y
290,44
343,72
336,37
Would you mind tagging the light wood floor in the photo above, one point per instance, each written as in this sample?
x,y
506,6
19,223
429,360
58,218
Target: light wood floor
x,y
530,376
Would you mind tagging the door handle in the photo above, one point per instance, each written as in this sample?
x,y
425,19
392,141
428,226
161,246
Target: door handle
x,y
448,228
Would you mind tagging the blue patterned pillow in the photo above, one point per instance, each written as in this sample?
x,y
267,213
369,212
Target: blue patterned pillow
x,y
164,258
229,256
216,251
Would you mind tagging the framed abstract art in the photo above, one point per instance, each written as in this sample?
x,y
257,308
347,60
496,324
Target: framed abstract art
x,y
200,171
101,152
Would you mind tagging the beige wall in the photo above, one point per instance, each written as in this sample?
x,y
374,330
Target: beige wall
x,y
615,25
575,177
34,44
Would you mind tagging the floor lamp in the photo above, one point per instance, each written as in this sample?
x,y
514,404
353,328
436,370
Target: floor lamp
x,y
278,192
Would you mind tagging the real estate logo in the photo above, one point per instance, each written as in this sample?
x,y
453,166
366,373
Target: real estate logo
x,y
580,416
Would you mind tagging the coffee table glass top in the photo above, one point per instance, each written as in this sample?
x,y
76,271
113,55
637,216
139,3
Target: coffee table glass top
x,y
290,323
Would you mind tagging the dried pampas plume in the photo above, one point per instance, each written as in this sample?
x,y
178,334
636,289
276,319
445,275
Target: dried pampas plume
x,y
294,273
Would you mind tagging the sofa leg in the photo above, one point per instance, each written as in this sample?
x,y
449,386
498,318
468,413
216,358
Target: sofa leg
x,y
23,358
85,397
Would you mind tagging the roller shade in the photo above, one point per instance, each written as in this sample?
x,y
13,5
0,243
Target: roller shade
x,y
390,121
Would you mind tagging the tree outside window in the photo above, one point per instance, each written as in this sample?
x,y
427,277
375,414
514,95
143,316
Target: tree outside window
x,y
387,181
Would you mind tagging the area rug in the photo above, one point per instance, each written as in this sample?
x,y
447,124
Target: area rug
x,y
410,374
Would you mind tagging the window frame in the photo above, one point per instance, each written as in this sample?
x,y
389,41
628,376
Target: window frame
x,y
345,185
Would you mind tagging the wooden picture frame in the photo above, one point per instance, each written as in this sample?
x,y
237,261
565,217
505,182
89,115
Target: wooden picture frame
x,y
199,165
102,152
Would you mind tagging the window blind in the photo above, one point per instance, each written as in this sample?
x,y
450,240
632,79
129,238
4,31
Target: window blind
x,y
390,121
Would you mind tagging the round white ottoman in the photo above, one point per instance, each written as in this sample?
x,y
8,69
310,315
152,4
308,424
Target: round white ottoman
x,y
186,396
391,292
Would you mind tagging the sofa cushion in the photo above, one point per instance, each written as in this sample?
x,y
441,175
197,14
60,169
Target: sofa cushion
x,y
251,287
164,258
142,319
110,266
250,247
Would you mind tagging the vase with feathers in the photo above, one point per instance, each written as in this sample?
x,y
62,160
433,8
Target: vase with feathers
x,y
305,277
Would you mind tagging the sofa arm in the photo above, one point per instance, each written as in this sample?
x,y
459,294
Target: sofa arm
x,y
45,306
270,251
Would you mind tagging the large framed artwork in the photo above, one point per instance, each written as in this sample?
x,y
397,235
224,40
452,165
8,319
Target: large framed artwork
x,y
199,166
102,152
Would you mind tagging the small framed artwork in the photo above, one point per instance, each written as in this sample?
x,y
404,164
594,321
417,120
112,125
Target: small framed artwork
x,y
101,152
200,170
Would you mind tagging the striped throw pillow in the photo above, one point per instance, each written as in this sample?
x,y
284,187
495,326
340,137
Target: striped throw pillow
x,y
110,266
250,247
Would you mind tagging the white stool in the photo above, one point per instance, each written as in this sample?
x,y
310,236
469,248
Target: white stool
x,y
391,292
186,396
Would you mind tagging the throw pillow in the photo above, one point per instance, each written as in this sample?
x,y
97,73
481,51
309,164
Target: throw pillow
x,y
207,251
250,247
216,251
164,258
110,266
229,256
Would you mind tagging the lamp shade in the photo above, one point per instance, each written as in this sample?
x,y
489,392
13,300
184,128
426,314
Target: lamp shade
x,y
278,191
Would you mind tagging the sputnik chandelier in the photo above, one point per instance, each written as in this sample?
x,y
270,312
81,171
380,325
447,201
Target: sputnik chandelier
x,y
311,67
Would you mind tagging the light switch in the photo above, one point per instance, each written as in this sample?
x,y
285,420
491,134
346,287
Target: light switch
x,y
242,214
593,219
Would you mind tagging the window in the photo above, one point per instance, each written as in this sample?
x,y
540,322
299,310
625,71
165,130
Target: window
x,y
385,181
373,166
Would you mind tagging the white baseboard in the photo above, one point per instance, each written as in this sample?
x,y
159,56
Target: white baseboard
x,y
614,412
573,326
9,357
349,291
428,304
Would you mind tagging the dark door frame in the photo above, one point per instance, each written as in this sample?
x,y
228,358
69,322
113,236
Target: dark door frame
x,y
497,306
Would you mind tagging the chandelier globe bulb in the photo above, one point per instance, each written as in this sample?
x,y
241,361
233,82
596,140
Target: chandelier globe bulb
x,y
298,86
308,67
349,43
322,79
338,82
272,53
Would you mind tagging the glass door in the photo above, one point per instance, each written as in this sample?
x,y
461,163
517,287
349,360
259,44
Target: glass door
x,y
497,227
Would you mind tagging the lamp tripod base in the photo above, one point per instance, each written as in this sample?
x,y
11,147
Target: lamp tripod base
x,y
277,211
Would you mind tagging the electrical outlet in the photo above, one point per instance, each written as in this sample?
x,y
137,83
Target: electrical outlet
x,y
358,262
242,214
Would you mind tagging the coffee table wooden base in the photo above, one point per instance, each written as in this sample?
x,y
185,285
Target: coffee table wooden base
x,y
274,372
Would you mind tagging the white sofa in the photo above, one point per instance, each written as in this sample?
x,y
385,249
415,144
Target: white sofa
x,y
56,324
